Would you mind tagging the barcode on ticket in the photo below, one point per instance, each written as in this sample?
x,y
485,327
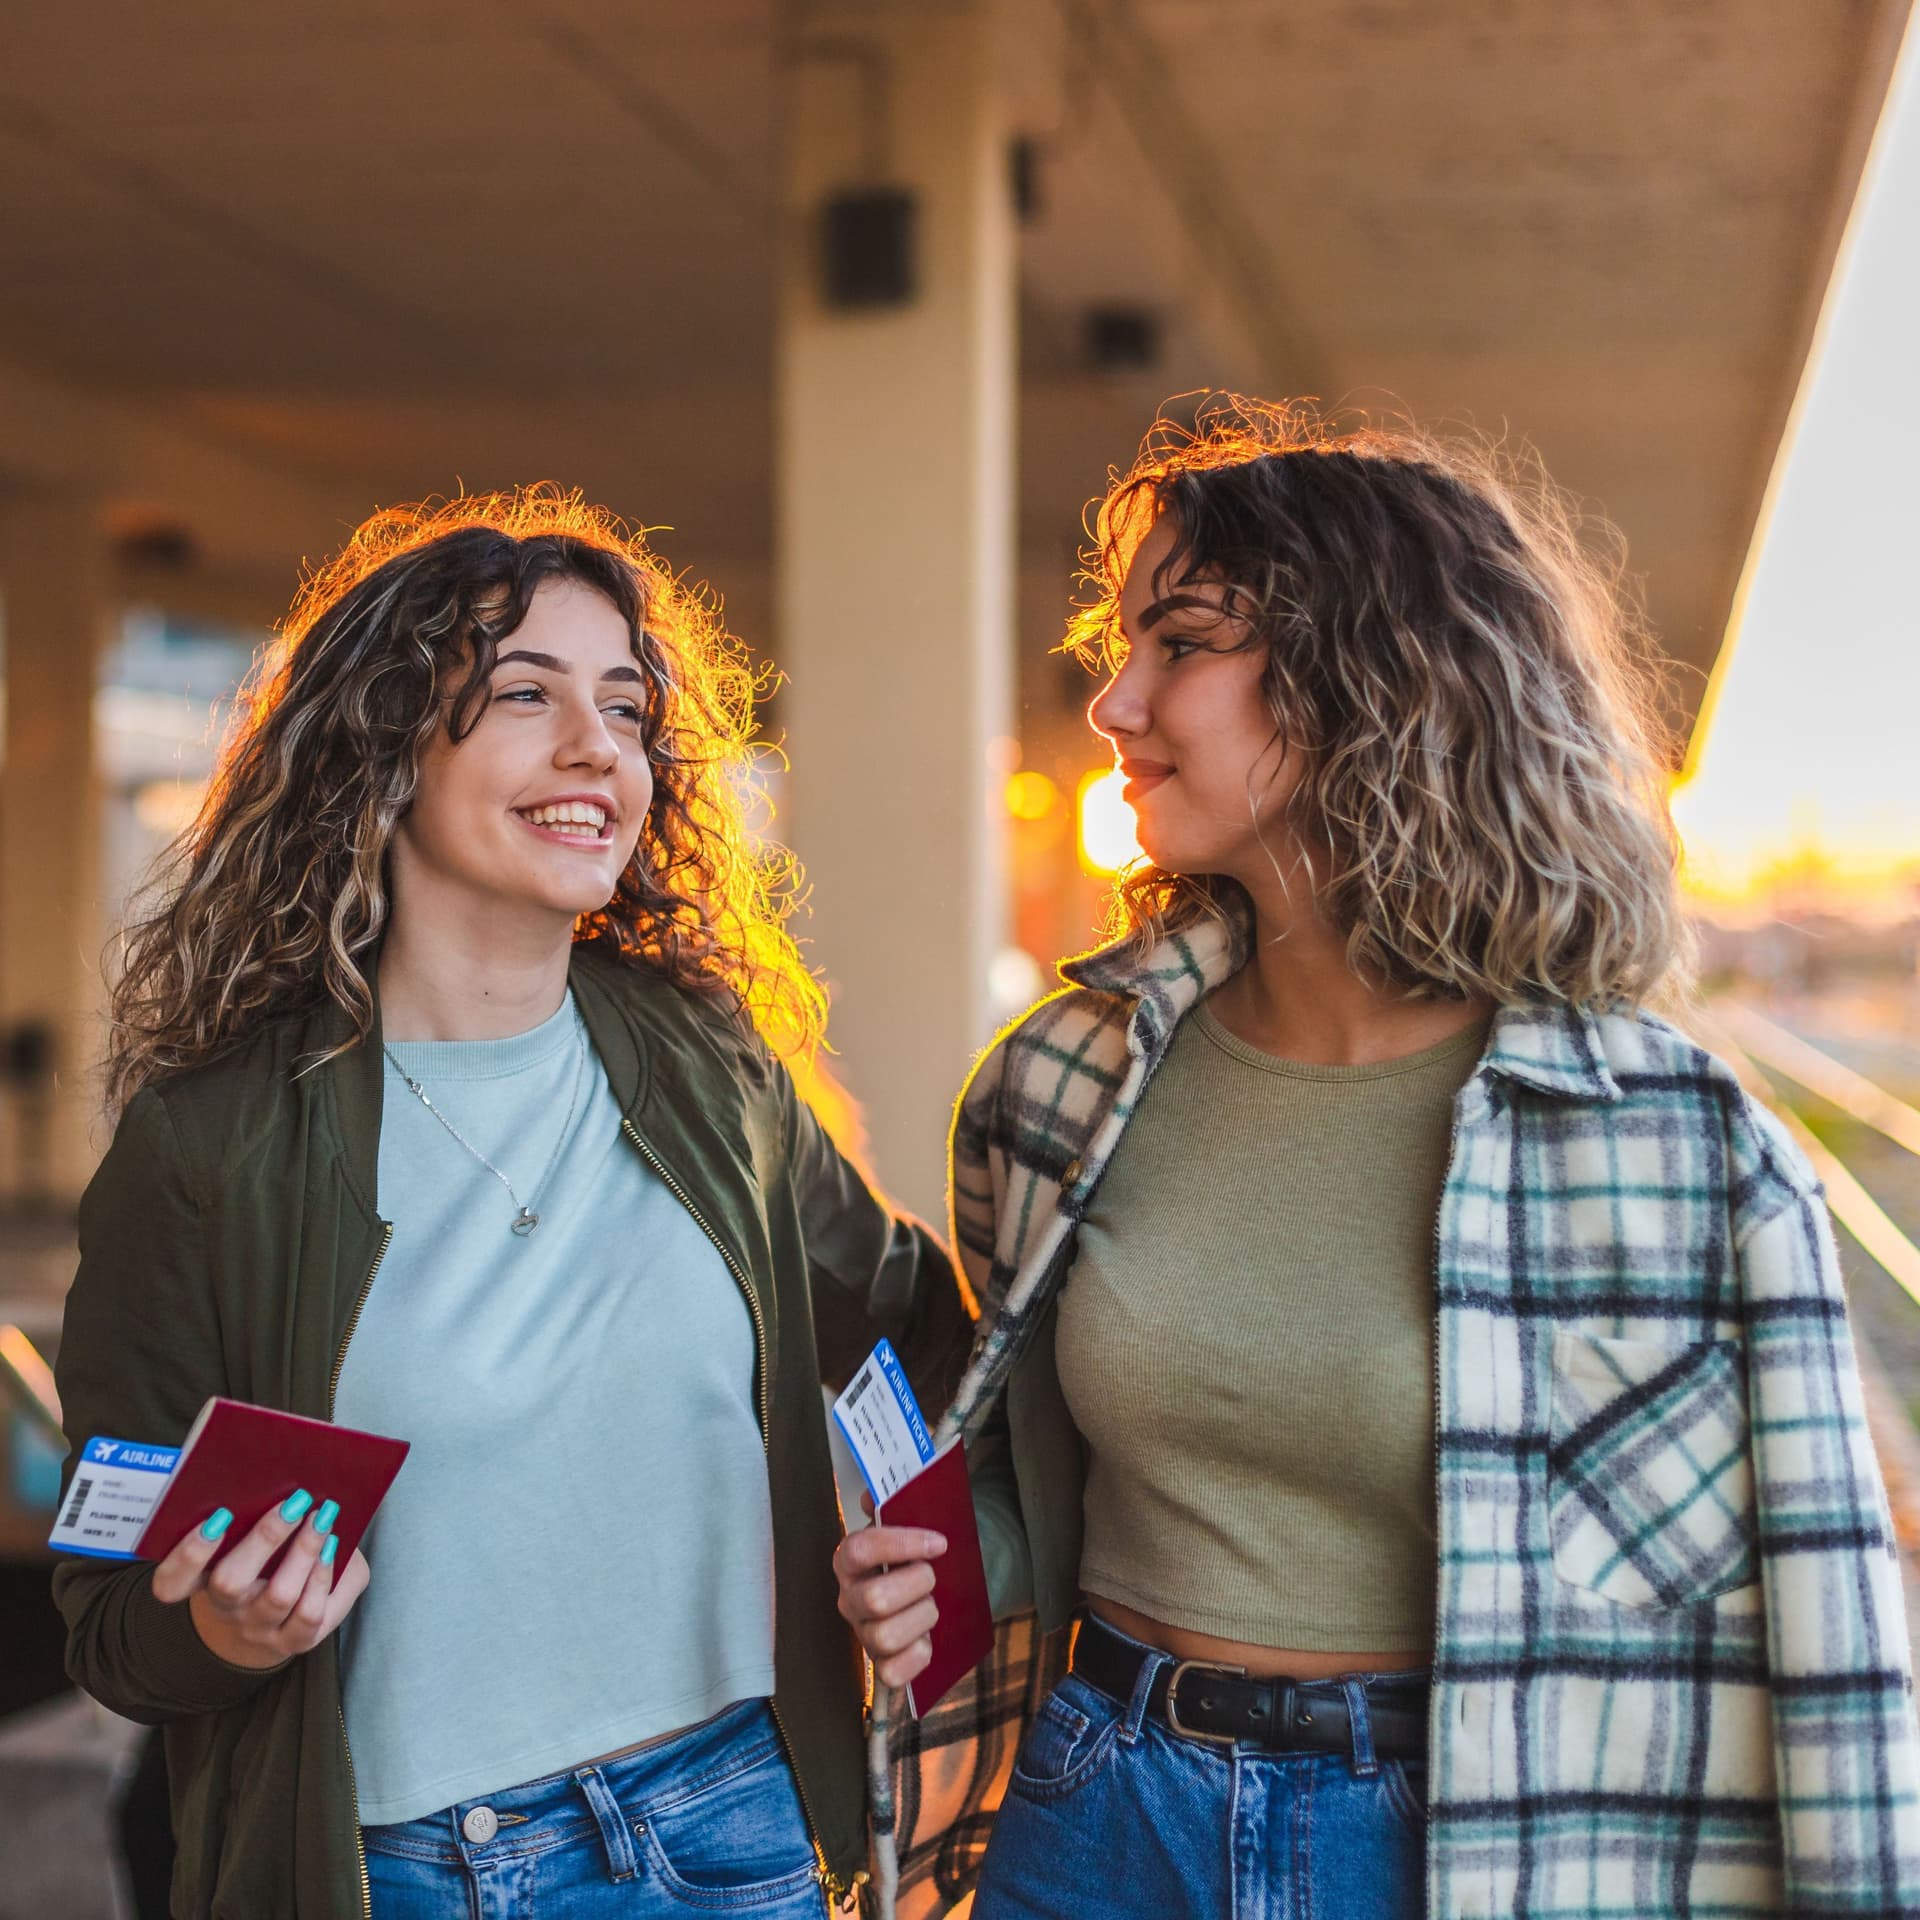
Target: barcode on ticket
x,y
117,1487
885,1430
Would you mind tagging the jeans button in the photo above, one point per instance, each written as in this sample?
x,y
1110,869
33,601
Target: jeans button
x,y
480,1825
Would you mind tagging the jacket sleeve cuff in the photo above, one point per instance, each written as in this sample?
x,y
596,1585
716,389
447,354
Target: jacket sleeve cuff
x,y
183,1671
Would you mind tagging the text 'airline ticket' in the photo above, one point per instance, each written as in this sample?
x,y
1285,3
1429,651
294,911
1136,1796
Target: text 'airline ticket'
x,y
116,1486
882,1423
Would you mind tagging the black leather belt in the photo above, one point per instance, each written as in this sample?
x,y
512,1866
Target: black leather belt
x,y
1220,1705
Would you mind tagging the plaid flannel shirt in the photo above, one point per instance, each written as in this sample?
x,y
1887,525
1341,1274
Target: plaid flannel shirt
x,y
1671,1672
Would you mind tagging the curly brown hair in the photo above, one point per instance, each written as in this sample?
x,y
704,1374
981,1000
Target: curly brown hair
x,y
1482,808
278,891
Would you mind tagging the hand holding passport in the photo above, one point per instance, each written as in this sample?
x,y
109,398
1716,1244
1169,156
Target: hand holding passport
x,y
131,1499
914,1487
229,1518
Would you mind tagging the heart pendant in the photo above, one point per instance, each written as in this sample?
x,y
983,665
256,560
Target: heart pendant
x,y
525,1221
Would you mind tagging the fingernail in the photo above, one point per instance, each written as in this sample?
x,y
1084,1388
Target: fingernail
x,y
936,1543
330,1549
297,1505
325,1516
218,1521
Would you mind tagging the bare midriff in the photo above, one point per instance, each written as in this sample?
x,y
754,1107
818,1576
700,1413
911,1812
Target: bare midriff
x,y
640,1746
1263,1663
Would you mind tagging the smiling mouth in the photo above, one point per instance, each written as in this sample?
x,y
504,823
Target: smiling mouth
x,y
579,821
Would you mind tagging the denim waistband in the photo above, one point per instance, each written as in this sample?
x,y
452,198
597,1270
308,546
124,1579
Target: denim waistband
x,y
606,1795
1371,1710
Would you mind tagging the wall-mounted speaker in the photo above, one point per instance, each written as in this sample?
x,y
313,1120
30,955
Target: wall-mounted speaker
x,y
1122,339
868,248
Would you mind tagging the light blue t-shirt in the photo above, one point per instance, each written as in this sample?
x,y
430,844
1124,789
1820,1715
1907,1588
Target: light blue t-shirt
x,y
578,1553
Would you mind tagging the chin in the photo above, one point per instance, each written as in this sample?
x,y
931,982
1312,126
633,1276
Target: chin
x,y
578,903
558,899
1167,853
1161,839
1189,861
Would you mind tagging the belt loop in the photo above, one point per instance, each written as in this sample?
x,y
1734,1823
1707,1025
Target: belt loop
x,y
1142,1690
623,1862
1360,1725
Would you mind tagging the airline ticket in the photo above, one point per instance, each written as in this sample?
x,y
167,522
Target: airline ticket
x,y
116,1486
882,1423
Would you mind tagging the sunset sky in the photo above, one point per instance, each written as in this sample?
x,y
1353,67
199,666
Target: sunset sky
x,y
1811,752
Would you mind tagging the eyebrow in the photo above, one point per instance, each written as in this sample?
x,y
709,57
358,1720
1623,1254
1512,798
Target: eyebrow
x,y
554,664
1152,614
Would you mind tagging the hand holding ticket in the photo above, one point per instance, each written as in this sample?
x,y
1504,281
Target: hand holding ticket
x,y
237,1535
922,1598
128,1499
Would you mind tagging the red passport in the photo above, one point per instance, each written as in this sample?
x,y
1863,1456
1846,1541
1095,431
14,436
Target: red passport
x,y
939,1498
251,1459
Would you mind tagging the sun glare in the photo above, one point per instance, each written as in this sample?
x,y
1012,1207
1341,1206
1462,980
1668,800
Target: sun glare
x,y
1801,793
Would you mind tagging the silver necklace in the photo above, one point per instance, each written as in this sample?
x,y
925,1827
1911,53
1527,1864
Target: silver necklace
x,y
525,1218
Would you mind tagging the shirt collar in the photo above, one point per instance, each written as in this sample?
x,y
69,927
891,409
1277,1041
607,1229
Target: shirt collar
x,y
1553,1048
1170,977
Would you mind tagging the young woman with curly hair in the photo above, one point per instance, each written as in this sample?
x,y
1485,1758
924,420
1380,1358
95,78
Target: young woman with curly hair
x,y
447,1112
1417,1364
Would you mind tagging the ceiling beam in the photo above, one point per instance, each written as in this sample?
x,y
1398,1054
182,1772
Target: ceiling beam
x,y
247,516
1120,52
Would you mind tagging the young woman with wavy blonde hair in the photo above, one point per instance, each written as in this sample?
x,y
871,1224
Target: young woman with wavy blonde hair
x,y
446,1111
1418,1367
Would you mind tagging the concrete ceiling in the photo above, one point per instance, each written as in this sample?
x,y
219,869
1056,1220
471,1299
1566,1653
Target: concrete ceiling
x,y
368,251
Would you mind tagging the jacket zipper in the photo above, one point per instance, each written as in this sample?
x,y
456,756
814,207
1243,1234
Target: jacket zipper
x,y
340,1703
838,1890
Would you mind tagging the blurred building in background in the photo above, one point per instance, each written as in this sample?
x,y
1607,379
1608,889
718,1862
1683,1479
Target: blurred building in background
x,y
856,303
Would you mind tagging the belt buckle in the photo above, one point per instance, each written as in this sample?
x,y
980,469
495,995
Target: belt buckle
x,y
1173,1708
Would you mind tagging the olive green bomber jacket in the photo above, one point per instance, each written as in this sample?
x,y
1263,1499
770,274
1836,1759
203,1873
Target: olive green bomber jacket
x,y
226,1244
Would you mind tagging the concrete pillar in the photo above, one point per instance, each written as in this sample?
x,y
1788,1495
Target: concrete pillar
x,y
895,529
55,603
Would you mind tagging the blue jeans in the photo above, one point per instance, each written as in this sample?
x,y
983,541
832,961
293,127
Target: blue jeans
x,y
1109,1812
707,1822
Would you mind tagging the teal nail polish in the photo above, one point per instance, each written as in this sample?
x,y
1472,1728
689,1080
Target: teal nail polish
x,y
330,1549
218,1521
297,1505
325,1516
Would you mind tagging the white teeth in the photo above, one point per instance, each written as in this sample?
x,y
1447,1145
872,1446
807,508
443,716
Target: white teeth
x,y
570,813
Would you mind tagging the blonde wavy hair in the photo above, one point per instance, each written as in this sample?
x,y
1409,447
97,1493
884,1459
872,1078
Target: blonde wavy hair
x,y
275,897
1482,807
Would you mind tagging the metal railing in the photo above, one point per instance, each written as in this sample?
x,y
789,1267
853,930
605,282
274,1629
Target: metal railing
x,y
1749,1042
27,1382
1752,1036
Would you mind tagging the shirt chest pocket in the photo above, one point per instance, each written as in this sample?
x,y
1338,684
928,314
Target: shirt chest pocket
x,y
1649,1470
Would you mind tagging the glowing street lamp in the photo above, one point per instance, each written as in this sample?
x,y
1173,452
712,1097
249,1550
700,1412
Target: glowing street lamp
x,y
1108,842
1031,796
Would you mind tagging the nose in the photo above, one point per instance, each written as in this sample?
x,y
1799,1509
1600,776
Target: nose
x,y
1119,710
589,741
